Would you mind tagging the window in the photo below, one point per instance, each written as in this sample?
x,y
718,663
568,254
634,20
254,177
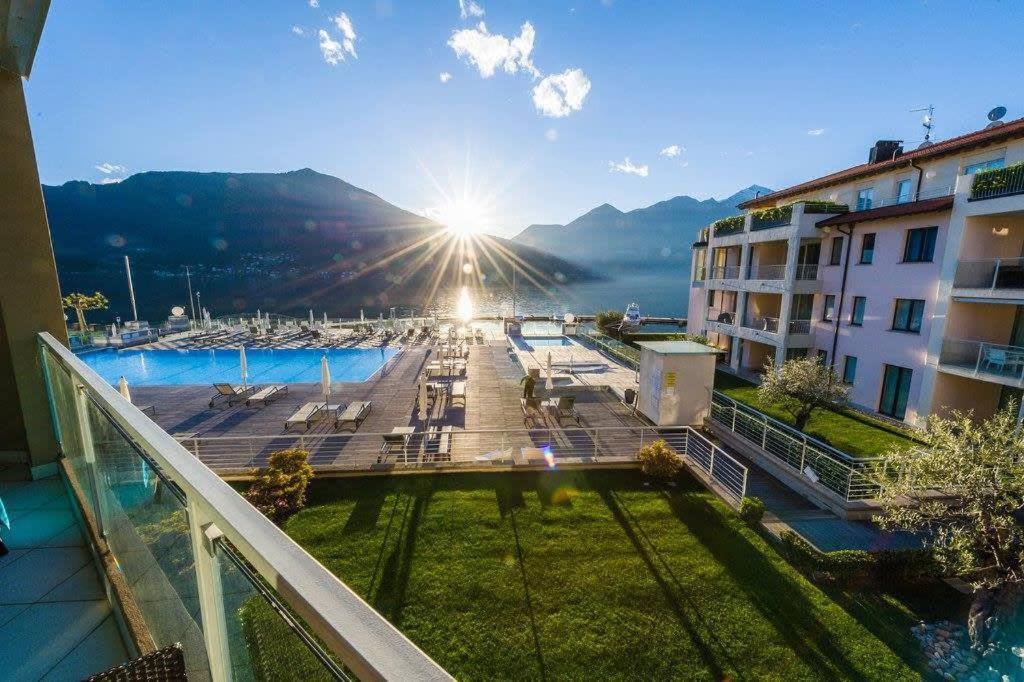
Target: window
x,y
857,313
908,314
867,249
849,369
902,191
823,356
895,391
864,198
836,256
972,168
830,308
920,246
796,353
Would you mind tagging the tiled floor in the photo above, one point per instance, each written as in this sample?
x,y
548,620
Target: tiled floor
x,y
55,621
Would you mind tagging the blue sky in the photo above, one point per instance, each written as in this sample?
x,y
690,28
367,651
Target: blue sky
x,y
739,88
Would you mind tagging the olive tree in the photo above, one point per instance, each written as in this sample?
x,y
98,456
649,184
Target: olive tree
x,y
608,321
800,386
964,490
81,302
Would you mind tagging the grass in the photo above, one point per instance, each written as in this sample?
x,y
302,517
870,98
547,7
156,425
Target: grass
x,y
853,433
571,575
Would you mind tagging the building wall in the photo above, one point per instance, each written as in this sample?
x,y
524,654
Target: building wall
x,y
962,394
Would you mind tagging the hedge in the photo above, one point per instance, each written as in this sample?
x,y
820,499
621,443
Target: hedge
x,y
850,566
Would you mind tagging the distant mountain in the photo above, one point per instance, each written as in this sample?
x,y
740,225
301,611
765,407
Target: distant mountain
x,y
659,234
277,241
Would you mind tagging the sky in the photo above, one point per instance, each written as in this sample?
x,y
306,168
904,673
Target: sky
x,y
526,112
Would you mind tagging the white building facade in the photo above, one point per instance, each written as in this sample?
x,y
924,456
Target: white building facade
x,y
905,274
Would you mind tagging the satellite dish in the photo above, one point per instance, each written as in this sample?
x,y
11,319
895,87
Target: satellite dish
x,y
569,318
177,311
996,114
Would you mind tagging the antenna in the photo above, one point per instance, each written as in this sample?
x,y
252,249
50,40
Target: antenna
x,y
995,115
927,122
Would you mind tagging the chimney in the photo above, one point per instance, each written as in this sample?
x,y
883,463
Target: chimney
x,y
885,150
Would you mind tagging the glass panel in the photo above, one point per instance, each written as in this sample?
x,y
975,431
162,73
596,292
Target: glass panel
x,y
146,526
902,393
829,308
901,320
857,317
903,191
261,643
836,257
849,369
867,249
889,381
916,313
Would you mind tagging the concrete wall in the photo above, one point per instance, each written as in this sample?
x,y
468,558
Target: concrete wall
x,y
960,393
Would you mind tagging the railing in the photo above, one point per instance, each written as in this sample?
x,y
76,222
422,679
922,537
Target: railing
x,y
201,564
618,350
818,463
991,273
727,226
998,182
720,315
761,323
799,326
774,271
724,272
545,447
772,217
982,358
805,271
700,274
909,198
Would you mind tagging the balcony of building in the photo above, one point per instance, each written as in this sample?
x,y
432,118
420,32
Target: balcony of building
x,y
985,342
991,268
974,395
761,317
721,311
725,263
997,182
754,356
767,261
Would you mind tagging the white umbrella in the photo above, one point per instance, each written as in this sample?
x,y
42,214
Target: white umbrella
x,y
423,399
325,381
244,365
259,315
550,384
310,317
122,387
362,316
325,319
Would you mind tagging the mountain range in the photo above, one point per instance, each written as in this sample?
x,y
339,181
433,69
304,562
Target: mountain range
x,y
658,234
275,241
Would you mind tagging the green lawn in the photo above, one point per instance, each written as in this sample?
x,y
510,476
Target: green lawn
x,y
572,575
854,434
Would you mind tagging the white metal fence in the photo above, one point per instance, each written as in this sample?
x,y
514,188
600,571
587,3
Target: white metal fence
x,y
548,447
817,462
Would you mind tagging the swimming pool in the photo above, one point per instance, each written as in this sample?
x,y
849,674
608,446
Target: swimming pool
x,y
286,366
533,342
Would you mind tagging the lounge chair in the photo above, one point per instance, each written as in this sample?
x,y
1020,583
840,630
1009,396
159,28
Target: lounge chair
x,y
232,392
566,407
439,443
389,442
305,415
353,414
494,457
458,393
266,394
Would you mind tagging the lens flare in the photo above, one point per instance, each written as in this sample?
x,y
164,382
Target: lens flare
x,y
464,308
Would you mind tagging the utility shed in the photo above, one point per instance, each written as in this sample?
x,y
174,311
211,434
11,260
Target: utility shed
x,y
676,381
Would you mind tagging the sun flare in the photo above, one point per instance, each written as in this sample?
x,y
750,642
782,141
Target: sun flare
x,y
463,217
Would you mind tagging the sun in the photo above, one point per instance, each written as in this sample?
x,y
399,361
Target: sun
x,y
463,217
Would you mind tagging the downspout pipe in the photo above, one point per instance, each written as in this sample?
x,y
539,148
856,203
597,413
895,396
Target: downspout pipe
x,y
842,294
920,174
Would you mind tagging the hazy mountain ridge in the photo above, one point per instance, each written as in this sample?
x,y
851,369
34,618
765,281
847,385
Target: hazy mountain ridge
x,y
657,234
280,241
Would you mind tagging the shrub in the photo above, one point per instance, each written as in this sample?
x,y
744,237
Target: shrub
x,y
279,490
608,321
751,510
825,207
728,225
994,180
799,552
658,460
774,214
848,566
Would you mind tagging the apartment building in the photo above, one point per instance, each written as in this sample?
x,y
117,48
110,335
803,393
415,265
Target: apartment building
x,y
905,274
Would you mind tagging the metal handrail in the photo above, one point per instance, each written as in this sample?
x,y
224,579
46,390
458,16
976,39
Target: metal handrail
x,y
716,314
799,326
370,646
806,271
772,271
1013,183
724,272
989,273
762,323
896,200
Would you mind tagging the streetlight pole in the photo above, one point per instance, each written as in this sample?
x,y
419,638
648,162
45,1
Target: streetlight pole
x,y
198,303
131,289
188,278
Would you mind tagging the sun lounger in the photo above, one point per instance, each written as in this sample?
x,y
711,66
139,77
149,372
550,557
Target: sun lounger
x,y
458,392
232,392
305,415
566,408
390,442
266,394
353,414
494,457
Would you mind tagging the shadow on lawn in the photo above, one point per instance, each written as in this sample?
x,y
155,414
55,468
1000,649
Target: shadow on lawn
x,y
775,595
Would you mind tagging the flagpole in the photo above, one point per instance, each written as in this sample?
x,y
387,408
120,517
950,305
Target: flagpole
x,y
191,303
131,289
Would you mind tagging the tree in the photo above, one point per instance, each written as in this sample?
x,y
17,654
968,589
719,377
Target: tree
x,y
974,522
608,321
659,461
82,302
800,386
279,490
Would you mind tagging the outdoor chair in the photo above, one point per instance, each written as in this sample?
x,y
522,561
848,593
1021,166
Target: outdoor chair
x,y
995,357
389,442
458,393
233,393
353,415
305,415
566,408
266,394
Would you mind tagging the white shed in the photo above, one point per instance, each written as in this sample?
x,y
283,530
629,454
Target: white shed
x,y
676,381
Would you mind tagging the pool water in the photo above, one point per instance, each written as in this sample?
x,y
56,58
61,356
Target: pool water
x,y
533,342
181,367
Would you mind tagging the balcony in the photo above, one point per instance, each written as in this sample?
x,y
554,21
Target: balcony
x,y
767,272
199,565
724,272
982,360
771,217
990,277
807,271
727,226
997,182
799,326
721,316
762,323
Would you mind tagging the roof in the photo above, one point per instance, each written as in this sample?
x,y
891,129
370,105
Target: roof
x,y
893,211
679,347
1009,129
21,25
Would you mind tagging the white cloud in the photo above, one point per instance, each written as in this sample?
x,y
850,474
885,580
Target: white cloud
x,y
297,30
490,51
109,168
560,94
445,76
468,8
110,181
815,131
628,166
330,48
672,151
551,135
314,3
348,33
685,164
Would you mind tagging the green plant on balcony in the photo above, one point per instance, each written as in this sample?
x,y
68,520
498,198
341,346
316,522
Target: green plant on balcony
x,y
997,180
825,207
728,225
775,214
